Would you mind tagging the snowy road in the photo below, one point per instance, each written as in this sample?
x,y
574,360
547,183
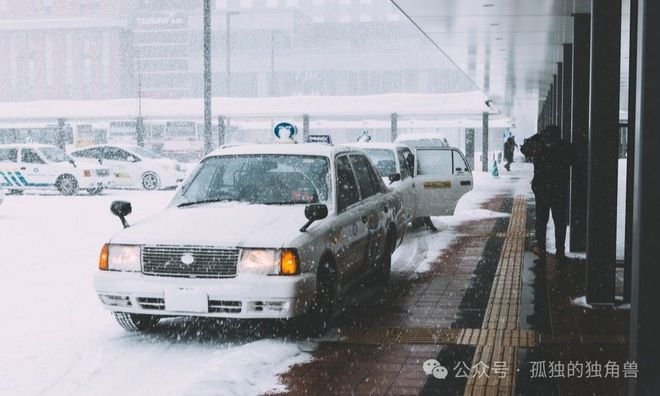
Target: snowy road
x,y
57,340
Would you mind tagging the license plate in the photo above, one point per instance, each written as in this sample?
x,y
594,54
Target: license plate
x,y
186,300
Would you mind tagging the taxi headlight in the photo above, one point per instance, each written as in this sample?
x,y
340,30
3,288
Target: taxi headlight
x,y
124,258
260,261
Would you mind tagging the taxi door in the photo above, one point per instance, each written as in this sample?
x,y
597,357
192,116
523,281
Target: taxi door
x,y
441,179
9,165
372,210
350,230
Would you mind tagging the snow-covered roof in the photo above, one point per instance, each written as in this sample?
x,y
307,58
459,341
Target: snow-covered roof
x,y
375,145
465,103
314,149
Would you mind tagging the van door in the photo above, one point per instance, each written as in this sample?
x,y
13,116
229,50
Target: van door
x,y
439,183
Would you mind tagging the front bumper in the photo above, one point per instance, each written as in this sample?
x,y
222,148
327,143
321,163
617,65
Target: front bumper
x,y
245,296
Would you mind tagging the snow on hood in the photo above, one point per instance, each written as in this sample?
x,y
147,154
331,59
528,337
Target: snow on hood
x,y
225,224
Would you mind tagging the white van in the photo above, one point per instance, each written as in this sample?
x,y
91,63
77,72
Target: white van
x,y
45,167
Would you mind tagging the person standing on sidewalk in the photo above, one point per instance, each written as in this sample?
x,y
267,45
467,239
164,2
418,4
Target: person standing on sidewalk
x,y
552,158
509,148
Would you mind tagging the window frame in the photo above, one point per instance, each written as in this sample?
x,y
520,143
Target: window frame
x,y
338,207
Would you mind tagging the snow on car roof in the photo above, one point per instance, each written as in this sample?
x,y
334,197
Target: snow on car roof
x,y
26,145
376,145
317,149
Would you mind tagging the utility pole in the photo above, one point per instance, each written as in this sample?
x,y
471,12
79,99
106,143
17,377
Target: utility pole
x,y
228,15
139,122
208,126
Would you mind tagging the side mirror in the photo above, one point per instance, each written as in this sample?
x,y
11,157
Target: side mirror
x,y
121,209
394,177
314,212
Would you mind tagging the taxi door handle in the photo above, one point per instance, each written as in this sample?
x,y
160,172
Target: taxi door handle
x,y
23,168
365,219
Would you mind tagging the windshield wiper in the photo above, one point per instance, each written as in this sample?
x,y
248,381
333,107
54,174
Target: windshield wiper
x,y
202,202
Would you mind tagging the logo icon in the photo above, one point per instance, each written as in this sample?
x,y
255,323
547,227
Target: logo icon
x,y
285,128
187,258
433,367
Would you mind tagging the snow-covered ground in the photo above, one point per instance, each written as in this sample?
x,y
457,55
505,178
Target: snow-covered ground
x,y
56,339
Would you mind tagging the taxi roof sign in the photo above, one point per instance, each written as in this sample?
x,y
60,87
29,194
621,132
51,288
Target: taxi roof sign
x,y
285,130
319,139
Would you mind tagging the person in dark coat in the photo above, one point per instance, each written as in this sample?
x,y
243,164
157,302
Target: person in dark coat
x,y
509,148
552,158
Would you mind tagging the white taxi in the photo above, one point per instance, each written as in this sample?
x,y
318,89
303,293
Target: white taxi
x,y
43,167
256,231
135,167
431,180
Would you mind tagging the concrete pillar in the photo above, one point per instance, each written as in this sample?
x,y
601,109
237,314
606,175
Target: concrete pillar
x,y
61,135
305,127
645,326
603,150
139,131
580,130
560,93
630,154
469,147
394,126
484,143
566,91
221,131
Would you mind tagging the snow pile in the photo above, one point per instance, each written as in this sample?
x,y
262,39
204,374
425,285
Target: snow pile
x,y
250,368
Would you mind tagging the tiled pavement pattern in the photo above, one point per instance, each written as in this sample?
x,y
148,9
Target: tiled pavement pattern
x,y
486,299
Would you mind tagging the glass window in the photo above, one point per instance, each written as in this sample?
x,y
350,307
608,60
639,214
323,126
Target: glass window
x,y
459,162
270,179
383,159
404,164
434,162
365,176
142,152
31,157
8,155
115,154
88,153
54,154
347,192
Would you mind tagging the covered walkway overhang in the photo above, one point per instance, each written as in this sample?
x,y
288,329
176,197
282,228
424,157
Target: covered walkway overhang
x,y
577,64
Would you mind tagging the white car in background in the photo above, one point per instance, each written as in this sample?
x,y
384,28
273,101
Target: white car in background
x,y
135,167
45,167
430,179
257,231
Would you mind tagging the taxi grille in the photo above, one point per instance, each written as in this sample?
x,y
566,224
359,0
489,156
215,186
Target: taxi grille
x,y
208,262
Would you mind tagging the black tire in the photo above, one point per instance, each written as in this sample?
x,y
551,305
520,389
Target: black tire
x,y
136,322
429,223
319,316
384,264
150,181
95,191
67,185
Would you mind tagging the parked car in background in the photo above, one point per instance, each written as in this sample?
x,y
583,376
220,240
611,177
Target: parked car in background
x,y
135,167
431,179
421,139
257,231
43,167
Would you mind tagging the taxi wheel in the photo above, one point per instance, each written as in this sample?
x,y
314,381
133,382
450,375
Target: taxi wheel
x,y
150,181
67,185
136,322
320,314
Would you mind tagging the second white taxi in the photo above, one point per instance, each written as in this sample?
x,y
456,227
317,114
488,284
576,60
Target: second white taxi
x,y
256,231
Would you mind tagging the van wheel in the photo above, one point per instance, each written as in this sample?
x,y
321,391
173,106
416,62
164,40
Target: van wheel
x,y
136,322
150,181
67,185
319,316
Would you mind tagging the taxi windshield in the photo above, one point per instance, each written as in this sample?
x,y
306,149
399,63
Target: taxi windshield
x,y
271,179
54,154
